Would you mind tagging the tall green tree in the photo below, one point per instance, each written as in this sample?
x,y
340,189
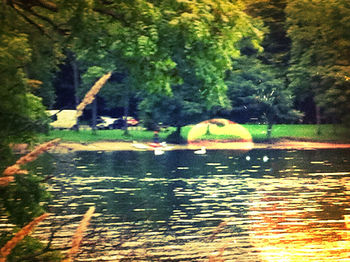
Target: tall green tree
x,y
182,108
116,93
256,92
22,112
29,51
276,43
320,57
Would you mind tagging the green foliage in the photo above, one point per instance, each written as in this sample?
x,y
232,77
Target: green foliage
x,y
30,250
46,54
22,113
276,43
211,33
156,44
256,92
320,60
115,92
183,108
91,75
162,47
23,200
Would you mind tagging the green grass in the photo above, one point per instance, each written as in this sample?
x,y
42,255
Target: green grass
x,y
334,133
101,135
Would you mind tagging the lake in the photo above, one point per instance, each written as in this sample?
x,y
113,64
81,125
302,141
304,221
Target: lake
x,y
261,205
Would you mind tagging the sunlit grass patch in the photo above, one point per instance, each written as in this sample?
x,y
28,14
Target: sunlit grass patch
x,y
100,135
325,132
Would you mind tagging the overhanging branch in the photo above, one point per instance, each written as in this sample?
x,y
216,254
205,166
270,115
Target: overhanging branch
x,y
30,21
49,21
47,5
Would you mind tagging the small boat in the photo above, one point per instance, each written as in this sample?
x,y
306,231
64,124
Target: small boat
x,y
155,145
201,151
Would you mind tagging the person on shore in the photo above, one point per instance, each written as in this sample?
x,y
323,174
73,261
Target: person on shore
x,y
156,137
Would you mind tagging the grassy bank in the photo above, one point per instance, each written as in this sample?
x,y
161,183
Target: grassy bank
x,y
330,133
297,132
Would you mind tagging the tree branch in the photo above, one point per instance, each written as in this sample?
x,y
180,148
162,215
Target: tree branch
x,y
49,21
48,5
108,12
26,5
30,21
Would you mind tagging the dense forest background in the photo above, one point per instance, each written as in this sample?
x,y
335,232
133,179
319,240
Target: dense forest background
x,y
176,62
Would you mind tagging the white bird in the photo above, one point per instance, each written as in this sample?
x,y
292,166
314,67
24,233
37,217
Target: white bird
x,y
201,151
158,151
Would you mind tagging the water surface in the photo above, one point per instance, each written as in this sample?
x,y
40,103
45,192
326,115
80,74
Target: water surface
x,y
263,205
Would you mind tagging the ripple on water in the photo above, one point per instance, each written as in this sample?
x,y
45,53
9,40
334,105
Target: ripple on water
x,y
291,207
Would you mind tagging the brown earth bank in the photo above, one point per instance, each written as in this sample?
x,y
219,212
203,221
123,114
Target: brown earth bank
x,y
126,146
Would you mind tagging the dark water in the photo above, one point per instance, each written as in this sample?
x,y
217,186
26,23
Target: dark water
x,y
263,205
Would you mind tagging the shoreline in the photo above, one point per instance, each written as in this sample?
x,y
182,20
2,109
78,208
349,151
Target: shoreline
x,y
65,147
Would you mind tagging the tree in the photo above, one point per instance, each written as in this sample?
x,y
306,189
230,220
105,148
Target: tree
x,y
21,112
183,108
320,57
155,43
116,91
28,55
276,43
257,92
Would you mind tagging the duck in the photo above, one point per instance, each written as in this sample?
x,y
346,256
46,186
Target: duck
x,y
158,151
201,151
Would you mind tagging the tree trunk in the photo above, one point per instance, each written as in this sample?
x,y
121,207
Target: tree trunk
x,y
126,113
75,86
178,134
334,126
318,119
269,130
94,115
208,130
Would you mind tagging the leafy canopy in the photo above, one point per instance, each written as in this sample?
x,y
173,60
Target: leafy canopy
x,y
157,43
320,57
